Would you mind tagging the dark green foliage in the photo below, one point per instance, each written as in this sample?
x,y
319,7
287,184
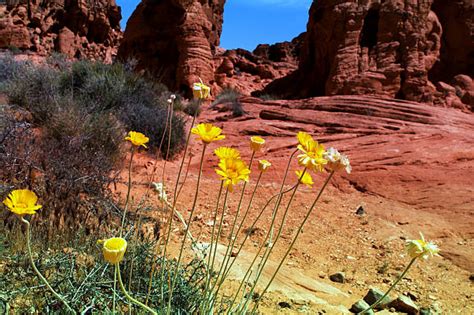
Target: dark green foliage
x,y
86,281
193,108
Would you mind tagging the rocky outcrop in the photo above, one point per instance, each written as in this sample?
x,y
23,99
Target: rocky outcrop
x,y
401,151
77,28
174,40
248,71
384,48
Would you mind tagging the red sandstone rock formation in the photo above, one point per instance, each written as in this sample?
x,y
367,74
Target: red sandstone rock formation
x,y
413,154
385,48
250,71
175,40
77,28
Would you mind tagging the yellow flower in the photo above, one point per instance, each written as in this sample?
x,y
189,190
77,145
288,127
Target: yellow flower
x,y
312,155
232,171
263,165
208,133
137,138
113,249
201,91
22,201
306,179
421,248
227,153
303,139
337,161
256,143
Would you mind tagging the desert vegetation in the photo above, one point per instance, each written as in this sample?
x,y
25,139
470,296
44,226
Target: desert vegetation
x,y
70,246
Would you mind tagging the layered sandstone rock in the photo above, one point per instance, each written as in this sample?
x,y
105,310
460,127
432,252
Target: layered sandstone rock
x,y
174,40
77,28
248,71
385,48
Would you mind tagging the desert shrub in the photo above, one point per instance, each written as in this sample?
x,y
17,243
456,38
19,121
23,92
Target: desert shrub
x,y
227,95
193,108
237,109
268,97
83,111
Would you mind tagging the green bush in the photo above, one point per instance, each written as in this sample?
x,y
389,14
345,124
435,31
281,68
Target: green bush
x,y
84,111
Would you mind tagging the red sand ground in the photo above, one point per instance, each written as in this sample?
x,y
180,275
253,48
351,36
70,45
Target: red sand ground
x,y
413,171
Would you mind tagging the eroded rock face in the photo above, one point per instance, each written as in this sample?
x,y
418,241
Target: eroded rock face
x,y
384,48
77,28
174,40
248,71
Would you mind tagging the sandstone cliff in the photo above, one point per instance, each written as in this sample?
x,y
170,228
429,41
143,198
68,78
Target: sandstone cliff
x,y
174,40
77,28
388,48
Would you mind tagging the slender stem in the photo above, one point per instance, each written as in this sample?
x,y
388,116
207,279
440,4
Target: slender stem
x,y
201,164
300,228
131,299
175,199
271,245
128,191
232,240
209,271
391,288
214,252
115,291
30,254
228,267
219,230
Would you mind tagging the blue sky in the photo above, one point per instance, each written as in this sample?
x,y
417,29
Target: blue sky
x,y
248,23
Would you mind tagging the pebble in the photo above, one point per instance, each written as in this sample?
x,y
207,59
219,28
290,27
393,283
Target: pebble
x,y
360,306
404,304
374,294
360,211
284,304
338,277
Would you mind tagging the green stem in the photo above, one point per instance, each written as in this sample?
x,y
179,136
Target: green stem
x,y
28,244
244,241
209,271
175,199
391,288
115,291
294,240
271,245
232,240
128,191
131,299
188,225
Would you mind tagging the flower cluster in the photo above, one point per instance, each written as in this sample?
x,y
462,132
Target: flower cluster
x,y
313,156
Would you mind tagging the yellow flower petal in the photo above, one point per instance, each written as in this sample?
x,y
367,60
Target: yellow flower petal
x,y
256,143
114,249
22,201
227,153
137,138
208,133
232,171
263,165
305,178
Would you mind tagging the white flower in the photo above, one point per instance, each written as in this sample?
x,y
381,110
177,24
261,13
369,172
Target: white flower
x,y
173,97
160,189
337,161
421,248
